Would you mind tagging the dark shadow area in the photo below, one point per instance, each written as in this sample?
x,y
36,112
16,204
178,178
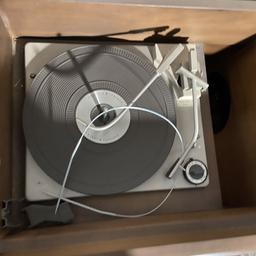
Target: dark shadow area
x,y
219,94
232,73
219,84
169,37
232,49
84,79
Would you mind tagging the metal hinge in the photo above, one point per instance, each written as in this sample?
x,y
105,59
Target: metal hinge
x,y
12,215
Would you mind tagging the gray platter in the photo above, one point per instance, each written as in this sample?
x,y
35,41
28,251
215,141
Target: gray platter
x,y
51,131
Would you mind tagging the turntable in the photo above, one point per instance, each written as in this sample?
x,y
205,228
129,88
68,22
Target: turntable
x,y
102,119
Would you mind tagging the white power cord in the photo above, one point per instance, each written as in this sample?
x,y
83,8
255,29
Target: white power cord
x,y
60,196
87,207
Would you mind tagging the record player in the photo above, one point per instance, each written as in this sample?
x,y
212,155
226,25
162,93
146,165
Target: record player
x,y
69,85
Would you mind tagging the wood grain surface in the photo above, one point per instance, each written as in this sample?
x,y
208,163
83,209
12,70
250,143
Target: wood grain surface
x,y
236,144
226,247
123,234
215,28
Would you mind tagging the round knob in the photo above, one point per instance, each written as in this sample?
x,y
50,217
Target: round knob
x,y
195,172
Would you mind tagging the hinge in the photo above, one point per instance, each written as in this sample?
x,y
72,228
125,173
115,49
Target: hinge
x,y
12,215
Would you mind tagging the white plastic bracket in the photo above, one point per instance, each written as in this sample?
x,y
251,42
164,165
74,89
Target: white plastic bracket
x,y
168,74
185,97
198,85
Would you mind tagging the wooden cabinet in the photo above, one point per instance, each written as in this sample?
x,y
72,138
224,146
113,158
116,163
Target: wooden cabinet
x,y
224,30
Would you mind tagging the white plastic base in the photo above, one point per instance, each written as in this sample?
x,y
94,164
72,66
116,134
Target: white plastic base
x,y
37,181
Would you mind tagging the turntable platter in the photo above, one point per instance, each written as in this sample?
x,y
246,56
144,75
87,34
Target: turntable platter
x,y
106,163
